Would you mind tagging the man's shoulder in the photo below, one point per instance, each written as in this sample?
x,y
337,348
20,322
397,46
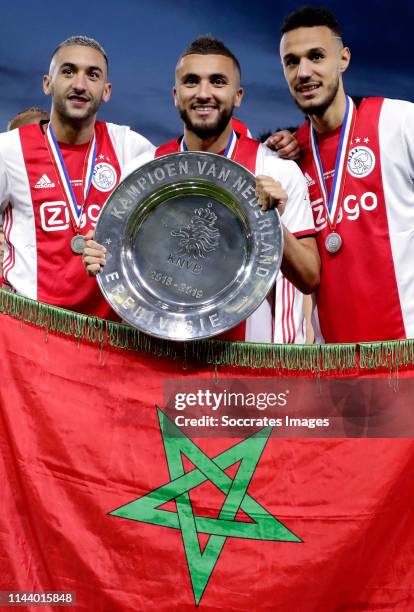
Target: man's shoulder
x,y
172,146
248,140
137,162
399,107
127,143
6,137
302,134
32,129
10,141
396,110
274,164
112,128
118,131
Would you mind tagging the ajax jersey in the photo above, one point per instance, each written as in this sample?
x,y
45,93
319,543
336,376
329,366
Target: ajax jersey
x,y
367,288
38,228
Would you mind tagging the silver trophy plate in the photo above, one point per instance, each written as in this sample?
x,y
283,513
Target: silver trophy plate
x,y
190,253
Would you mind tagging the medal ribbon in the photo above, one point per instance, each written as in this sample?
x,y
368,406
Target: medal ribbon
x,y
332,204
75,209
229,150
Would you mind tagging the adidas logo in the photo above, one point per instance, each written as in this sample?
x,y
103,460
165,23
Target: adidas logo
x,y
44,182
309,180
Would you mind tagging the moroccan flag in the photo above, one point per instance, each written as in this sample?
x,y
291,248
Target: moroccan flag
x,y
102,495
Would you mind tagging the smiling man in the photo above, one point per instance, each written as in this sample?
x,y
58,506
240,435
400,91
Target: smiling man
x,y
359,163
207,90
55,177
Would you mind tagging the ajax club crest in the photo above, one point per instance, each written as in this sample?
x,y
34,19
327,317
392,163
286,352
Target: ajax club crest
x,y
104,177
361,161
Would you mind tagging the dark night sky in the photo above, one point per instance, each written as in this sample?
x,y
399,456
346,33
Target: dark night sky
x,y
144,38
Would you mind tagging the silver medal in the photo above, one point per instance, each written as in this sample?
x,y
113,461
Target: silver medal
x,y
333,242
77,244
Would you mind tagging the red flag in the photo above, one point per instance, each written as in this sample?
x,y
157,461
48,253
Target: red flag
x,y
96,499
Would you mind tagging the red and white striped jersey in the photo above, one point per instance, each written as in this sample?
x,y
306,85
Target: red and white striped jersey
x,y
38,261
367,288
280,317
240,127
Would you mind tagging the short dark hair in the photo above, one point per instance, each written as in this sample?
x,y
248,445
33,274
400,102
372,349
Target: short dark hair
x,y
209,45
309,17
26,116
83,41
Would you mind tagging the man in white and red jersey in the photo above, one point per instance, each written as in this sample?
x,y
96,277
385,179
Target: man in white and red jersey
x,y
359,165
24,117
55,178
207,89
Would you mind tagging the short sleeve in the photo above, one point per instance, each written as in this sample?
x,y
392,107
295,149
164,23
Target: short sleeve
x,y
297,217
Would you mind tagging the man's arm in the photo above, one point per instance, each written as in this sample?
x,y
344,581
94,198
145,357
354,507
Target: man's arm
x,y
301,262
284,143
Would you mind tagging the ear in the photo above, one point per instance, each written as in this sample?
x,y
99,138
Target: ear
x,y
174,93
238,97
107,92
344,59
47,84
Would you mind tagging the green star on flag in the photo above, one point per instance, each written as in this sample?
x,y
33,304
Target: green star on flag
x,y
146,509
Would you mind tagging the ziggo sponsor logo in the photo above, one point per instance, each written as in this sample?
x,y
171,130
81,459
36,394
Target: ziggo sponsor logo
x,y
351,208
54,216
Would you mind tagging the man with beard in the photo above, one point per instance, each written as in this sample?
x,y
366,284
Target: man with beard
x,y
207,89
358,160
55,178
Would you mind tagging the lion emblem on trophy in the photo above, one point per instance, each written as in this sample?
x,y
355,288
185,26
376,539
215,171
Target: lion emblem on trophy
x,y
199,237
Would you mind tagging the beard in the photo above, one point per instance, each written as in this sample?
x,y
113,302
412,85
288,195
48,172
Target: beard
x,y
319,109
204,131
61,105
